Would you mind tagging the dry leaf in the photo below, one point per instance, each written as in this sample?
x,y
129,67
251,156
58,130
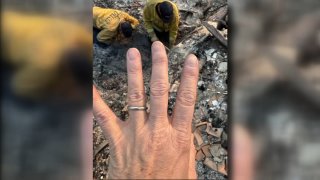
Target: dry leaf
x,y
216,132
206,150
208,162
200,156
198,137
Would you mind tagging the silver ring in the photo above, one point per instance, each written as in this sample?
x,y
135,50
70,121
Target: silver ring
x,y
137,108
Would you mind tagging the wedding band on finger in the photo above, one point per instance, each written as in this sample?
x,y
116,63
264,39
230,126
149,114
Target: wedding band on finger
x,y
137,108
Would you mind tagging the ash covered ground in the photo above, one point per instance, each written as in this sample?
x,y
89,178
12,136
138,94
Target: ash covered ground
x,y
210,121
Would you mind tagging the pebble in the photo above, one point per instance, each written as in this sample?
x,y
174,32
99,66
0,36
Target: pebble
x,y
215,103
217,159
200,83
209,52
116,96
174,87
224,106
223,67
215,56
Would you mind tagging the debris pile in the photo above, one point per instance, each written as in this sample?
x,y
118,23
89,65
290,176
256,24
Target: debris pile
x,y
209,149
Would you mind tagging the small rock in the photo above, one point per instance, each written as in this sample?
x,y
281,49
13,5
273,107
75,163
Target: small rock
x,y
200,167
116,96
215,56
209,52
201,86
223,152
215,104
200,83
224,106
217,159
223,67
216,132
224,138
215,150
174,87
209,163
125,109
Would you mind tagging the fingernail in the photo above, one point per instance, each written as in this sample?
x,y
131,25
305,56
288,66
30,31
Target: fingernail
x,y
131,54
192,61
157,44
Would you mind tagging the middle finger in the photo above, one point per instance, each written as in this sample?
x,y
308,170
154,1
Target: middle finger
x,y
159,85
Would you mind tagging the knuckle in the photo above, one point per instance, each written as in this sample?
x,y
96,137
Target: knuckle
x,y
102,119
157,138
160,59
103,122
101,116
136,95
181,119
133,68
190,72
181,126
156,118
159,89
181,139
187,97
157,122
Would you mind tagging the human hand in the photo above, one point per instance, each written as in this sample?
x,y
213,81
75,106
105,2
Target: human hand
x,y
152,145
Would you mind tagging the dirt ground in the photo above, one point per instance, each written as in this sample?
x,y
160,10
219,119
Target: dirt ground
x,y
109,74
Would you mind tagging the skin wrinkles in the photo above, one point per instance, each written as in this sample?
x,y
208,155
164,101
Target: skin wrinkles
x,y
152,146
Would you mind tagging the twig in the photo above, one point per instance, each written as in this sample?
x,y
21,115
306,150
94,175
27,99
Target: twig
x,y
215,33
100,148
221,13
209,6
167,49
188,35
187,10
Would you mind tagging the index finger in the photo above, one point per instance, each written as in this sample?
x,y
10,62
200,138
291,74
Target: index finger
x,y
159,85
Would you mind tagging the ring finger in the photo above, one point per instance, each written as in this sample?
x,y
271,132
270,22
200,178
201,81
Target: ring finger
x,y
136,93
